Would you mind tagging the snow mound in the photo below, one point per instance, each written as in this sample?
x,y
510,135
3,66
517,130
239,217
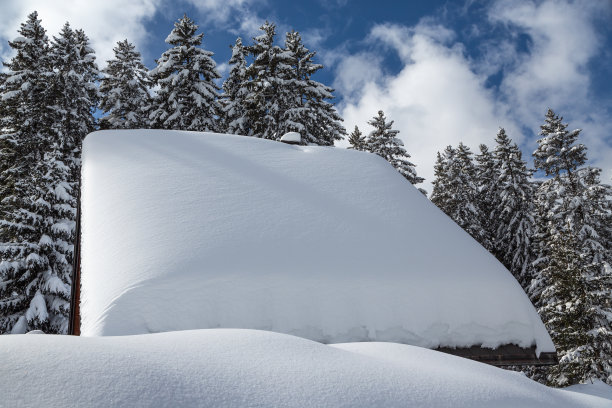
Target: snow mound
x,y
291,137
597,388
187,230
247,368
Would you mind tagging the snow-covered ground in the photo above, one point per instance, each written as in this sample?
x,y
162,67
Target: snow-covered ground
x,y
248,368
186,230
597,388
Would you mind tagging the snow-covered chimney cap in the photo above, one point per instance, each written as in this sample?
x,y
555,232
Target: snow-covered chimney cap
x,y
291,138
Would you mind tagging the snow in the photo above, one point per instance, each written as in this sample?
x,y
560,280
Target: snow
x,y
247,368
291,137
187,230
21,326
37,309
597,388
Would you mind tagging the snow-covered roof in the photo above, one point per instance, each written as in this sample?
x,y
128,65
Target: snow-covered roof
x,y
247,368
186,230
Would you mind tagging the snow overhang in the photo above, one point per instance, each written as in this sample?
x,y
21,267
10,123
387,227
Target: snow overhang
x,y
187,230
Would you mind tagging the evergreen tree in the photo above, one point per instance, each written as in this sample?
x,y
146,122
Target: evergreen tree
x,y
125,90
573,195
383,142
281,95
76,95
33,294
234,100
487,174
357,140
307,110
455,191
513,210
572,205
188,97
557,151
467,213
269,96
442,192
574,314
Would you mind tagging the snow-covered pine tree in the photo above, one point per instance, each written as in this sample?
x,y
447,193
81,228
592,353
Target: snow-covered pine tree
x,y
574,314
442,192
571,206
513,210
307,110
188,97
32,294
487,174
76,95
234,99
383,142
557,151
270,89
125,90
455,191
357,140
6,151
467,213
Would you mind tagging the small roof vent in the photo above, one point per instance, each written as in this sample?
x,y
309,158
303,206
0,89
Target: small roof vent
x,y
291,138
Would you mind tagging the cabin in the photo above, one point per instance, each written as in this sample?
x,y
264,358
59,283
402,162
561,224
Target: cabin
x,y
187,230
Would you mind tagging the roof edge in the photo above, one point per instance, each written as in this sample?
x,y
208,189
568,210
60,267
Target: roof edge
x,y
505,355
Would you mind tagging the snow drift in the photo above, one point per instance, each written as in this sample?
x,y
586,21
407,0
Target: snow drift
x,y
247,368
186,230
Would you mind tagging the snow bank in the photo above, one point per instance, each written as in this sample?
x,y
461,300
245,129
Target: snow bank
x,y
597,388
247,368
184,230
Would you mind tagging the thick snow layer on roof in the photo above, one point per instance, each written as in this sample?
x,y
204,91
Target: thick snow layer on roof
x,y
247,368
184,230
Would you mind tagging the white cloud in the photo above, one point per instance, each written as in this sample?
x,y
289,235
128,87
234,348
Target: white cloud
x,y
439,96
554,72
562,43
236,16
104,22
435,100
313,38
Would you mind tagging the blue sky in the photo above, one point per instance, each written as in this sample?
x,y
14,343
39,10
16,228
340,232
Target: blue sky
x,y
444,71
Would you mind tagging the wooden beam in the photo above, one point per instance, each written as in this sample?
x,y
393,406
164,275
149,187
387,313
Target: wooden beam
x,y
506,355
74,321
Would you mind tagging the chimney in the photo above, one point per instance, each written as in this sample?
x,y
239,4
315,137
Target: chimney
x,y
293,138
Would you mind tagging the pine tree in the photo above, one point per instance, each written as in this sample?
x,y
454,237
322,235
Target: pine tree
x,y
513,210
188,97
33,295
75,100
125,90
571,206
442,193
574,314
269,96
574,194
234,100
467,213
357,140
487,174
76,95
455,191
557,151
383,142
307,110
